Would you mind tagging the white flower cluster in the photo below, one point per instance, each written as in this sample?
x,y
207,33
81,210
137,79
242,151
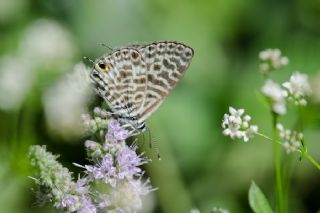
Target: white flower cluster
x,y
276,95
45,45
14,82
292,139
272,59
298,88
236,125
128,195
67,100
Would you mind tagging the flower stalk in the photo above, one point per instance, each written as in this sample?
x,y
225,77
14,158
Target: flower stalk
x,y
277,167
302,151
312,160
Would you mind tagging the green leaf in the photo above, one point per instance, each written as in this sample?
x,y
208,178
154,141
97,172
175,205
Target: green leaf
x,y
257,200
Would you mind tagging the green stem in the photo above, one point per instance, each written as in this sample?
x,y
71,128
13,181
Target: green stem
x,y
300,113
287,174
300,122
311,159
277,167
303,152
269,139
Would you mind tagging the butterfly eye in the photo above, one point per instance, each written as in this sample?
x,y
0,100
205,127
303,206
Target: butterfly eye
x,y
103,66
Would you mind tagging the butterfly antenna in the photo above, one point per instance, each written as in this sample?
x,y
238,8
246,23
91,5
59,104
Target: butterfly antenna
x,y
104,45
144,139
157,150
153,144
150,139
88,59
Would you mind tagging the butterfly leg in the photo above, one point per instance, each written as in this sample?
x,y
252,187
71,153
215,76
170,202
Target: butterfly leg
x,y
131,129
134,132
127,126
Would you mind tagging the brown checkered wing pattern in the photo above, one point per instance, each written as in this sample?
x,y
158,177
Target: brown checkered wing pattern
x,y
121,80
166,62
135,80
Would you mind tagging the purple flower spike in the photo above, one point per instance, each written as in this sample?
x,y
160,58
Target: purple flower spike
x,y
128,163
113,125
107,162
113,180
105,171
87,206
115,132
94,172
121,134
81,186
69,201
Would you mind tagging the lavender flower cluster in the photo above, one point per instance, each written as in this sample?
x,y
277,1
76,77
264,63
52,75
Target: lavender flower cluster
x,y
112,182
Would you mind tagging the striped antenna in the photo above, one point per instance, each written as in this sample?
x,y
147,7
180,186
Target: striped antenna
x,y
153,144
88,59
104,45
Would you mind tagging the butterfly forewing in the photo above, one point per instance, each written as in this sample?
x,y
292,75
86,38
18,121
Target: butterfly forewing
x,y
166,63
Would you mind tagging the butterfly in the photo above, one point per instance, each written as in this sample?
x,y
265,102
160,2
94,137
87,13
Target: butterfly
x,y
135,80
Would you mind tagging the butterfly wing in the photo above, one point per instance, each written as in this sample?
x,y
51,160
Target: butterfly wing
x,y
135,80
166,62
121,81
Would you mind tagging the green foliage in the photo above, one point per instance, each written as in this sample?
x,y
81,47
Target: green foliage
x,y
198,164
257,200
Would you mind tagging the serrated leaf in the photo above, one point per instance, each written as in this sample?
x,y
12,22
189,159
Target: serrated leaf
x,y
257,200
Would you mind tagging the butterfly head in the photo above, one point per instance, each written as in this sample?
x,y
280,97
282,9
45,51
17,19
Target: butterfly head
x,y
100,72
100,69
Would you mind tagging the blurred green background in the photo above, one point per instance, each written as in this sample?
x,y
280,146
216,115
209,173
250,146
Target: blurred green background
x,y
40,100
